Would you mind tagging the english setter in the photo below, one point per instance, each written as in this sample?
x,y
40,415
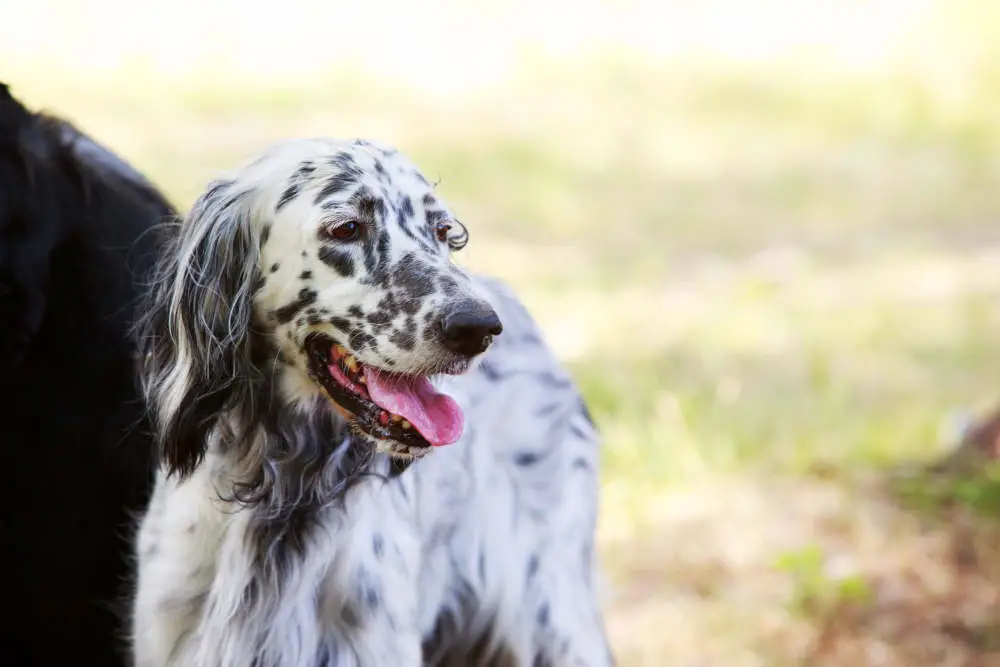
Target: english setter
x,y
307,340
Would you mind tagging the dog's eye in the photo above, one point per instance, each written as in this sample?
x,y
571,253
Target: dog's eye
x,y
442,229
344,231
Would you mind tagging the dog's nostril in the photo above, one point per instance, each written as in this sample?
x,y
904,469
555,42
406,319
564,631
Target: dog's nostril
x,y
470,330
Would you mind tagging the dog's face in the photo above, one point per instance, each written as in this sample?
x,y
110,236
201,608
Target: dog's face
x,y
359,291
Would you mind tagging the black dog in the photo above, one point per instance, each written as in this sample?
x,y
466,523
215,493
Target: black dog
x,y
75,452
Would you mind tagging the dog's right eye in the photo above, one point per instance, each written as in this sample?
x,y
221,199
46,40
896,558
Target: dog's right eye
x,y
346,231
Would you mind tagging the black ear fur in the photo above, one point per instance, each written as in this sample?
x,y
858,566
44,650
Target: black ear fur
x,y
195,333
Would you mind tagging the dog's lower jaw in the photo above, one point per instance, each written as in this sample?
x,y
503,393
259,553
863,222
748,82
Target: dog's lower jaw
x,y
400,457
395,450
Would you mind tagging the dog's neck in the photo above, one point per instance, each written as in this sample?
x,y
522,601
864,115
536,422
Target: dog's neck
x,y
292,459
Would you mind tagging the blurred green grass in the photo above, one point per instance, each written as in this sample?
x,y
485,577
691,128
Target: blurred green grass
x,y
740,272
751,271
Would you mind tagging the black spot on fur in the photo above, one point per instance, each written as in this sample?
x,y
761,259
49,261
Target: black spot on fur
x,y
341,323
411,306
336,184
305,170
491,373
344,160
541,661
290,193
337,259
359,341
547,410
287,313
355,311
404,340
388,305
447,285
379,317
578,431
527,458
551,380
533,564
414,280
581,463
543,615
372,599
275,267
306,275
382,245
265,234
405,206
350,616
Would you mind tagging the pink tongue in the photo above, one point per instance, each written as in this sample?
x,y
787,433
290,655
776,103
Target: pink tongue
x,y
436,416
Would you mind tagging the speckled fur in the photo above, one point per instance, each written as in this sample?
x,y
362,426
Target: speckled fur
x,y
275,535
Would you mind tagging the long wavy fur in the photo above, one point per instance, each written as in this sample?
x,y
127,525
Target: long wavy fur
x,y
482,554
208,373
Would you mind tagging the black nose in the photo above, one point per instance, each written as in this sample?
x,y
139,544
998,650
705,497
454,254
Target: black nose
x,y
469,328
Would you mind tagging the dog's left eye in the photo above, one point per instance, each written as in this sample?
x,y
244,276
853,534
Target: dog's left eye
x,y
344,231
442,230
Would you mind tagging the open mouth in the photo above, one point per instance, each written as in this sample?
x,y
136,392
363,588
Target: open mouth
x,y
402,408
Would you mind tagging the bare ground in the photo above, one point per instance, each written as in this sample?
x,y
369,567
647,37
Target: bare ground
x,y
805,572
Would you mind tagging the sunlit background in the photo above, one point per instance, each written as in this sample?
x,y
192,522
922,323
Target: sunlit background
x,y
763,234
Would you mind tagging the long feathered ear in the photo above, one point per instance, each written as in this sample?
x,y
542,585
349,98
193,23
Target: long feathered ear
x,y
195,329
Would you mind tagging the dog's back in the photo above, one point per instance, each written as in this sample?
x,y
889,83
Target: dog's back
x,y
74,447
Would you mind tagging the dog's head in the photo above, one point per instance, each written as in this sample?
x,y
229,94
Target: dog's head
x,y
321,270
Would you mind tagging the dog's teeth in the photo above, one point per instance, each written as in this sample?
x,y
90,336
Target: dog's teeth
x,y
351,363
396,418
339,349
406,425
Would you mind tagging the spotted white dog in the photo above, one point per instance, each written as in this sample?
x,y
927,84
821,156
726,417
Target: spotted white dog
x,y
307,339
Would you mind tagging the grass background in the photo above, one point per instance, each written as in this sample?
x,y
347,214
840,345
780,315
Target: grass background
x,y
763,235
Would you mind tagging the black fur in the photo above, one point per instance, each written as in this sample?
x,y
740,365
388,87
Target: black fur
x,y
75,448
